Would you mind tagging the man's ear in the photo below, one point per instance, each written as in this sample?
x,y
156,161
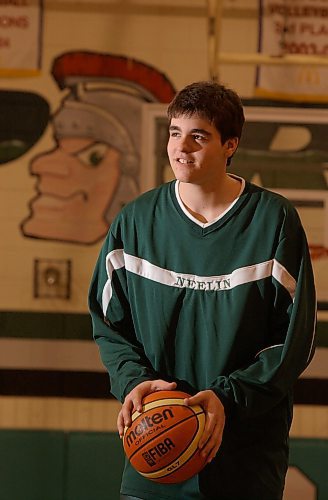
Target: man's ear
x,y
232,145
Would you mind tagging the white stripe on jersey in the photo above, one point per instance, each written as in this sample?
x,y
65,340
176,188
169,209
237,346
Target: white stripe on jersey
x,y
281,274
118,259
114,260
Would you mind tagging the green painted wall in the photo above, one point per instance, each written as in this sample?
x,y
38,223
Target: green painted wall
x,y
48,465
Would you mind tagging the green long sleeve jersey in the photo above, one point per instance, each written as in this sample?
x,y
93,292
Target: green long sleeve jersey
x,y
228,306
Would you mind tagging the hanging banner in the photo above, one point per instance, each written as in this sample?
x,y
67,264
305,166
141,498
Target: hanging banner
x,y
293,27
20,37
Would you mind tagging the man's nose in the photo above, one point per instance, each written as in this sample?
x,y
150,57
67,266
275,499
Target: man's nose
x,y
185,144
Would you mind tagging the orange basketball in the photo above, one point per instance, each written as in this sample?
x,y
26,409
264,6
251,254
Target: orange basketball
x,y
162,441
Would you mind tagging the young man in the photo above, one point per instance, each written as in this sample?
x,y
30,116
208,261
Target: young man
x,y
205,284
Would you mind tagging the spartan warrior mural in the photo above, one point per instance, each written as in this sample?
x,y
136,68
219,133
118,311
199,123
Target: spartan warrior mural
x,y
93,170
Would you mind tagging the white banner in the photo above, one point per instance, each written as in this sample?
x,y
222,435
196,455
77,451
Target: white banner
x,y
293,27
20,37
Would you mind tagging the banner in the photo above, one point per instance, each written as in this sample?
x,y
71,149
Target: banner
x,y
293,27
20,37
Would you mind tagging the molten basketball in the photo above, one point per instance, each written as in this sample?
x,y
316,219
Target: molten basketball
x,y
162,441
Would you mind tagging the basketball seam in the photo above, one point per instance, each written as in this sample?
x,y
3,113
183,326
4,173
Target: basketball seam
x,y
167,402
160,471
177,458
160,476
165,430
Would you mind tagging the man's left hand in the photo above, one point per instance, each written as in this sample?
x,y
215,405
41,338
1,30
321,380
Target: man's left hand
x,y
211,438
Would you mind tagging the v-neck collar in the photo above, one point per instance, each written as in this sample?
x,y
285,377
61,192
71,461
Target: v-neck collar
x,y
205,225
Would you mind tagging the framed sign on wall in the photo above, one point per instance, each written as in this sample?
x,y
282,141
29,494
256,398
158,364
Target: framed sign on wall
x,y
284,148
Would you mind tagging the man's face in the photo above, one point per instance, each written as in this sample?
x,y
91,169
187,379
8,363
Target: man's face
x,y
195,150
76,183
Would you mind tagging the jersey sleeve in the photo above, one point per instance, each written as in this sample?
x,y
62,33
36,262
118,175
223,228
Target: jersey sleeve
x,y
257,388
113,330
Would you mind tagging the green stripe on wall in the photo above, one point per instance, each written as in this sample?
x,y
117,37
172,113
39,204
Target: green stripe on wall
x,y
322,334
40,325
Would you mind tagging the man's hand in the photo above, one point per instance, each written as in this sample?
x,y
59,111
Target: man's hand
x,y
211,438
133,401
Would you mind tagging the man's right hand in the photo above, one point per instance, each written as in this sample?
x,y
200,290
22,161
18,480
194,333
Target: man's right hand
x,y
133,401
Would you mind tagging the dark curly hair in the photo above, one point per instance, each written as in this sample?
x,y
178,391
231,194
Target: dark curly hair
x,y
216,103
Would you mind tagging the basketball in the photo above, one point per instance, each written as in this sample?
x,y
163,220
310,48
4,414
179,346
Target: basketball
x,y
162,441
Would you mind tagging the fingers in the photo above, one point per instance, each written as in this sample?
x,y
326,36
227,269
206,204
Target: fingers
x,y
130,405
162,385
120,424
124,417
133,401
194,400
211,438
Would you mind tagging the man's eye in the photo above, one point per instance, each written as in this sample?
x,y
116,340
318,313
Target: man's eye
x,y
198,137
93,155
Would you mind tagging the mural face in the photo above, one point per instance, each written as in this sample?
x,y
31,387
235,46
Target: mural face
x,y
93,170
75,182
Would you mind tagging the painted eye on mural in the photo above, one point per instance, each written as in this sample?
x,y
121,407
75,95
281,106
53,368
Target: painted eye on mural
x,y
93,155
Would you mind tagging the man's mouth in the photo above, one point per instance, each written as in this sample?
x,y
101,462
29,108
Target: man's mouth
x,y
184,161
